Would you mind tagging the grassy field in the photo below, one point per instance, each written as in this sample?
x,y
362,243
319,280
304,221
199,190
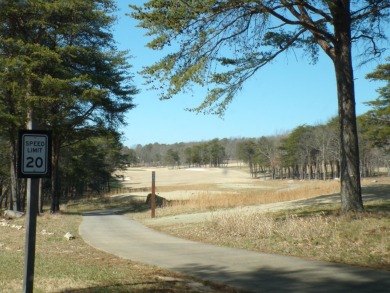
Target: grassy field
x,y
320,232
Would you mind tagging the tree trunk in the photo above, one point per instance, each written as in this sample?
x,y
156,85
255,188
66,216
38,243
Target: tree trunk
x,y
1,193
325,171
55,188
351,197
40,196
14,196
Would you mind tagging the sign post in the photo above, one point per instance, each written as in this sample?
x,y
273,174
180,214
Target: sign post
x,y
153,197
34,162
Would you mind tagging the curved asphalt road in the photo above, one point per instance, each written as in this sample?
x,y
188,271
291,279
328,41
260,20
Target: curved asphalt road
x,y
252,271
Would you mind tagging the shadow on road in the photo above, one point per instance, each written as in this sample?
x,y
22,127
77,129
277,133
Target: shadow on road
x,y
118,210
370,193
271,280
376,192
262,280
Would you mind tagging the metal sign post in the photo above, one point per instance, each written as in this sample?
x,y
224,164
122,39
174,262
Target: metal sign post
x,y
29,248
153,197
34,162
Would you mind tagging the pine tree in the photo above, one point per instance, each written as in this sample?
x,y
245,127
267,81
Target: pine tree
x,y
67,70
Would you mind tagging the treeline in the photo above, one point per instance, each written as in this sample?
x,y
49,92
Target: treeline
x,y
60,70
307,152
214,153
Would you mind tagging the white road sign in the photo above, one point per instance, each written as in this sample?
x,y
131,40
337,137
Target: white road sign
x,y
34,154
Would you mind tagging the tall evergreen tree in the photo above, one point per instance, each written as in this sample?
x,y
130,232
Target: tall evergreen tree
x,y
69,71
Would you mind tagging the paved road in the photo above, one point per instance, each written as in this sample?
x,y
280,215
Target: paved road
x,y
252,271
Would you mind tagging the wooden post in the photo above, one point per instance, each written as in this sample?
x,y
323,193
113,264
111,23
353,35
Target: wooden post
x,y
153,197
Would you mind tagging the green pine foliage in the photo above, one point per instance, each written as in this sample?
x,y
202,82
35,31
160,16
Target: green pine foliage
x,y
377,120
222,44
59,60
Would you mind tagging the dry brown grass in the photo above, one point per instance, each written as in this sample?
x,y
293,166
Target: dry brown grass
x,y
359,239
300,190
271,192
186,187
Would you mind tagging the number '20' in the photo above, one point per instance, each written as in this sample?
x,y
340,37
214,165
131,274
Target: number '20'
x,y
34,163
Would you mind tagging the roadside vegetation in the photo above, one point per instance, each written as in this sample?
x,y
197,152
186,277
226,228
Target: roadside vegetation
x,y
320,231
361,239
74,266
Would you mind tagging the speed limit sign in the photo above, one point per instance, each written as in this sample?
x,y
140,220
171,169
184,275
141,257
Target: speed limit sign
x,y
34,159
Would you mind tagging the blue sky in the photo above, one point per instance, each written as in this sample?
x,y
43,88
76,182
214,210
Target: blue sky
x,y
288,93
